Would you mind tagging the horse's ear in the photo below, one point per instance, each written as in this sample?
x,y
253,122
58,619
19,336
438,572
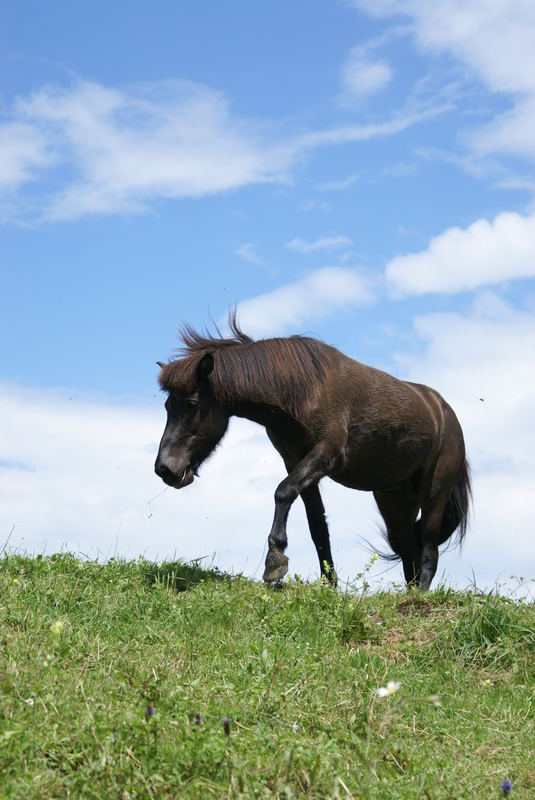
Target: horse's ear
x,y
160,364
206,365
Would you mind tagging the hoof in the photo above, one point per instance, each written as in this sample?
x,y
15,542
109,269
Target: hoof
x,y
276,567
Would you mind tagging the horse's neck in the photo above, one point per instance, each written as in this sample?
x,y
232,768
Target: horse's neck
x,y
257,411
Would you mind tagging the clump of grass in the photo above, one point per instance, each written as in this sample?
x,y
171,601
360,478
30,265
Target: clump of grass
x,y
180,575
138,680
491,628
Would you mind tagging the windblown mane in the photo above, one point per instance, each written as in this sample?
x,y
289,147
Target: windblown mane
x,y
283,372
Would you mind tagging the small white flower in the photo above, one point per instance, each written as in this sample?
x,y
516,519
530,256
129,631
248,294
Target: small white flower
x,y
390,688
295,727
29,701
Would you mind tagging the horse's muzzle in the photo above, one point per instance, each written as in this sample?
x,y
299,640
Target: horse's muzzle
x,y
175,479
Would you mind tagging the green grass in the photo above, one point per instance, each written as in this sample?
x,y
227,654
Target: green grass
x,y
87,647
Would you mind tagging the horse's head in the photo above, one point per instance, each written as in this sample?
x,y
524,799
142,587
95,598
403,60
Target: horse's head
x,y
196,423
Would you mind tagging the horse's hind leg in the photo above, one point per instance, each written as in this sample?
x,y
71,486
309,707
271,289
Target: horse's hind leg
x,y
434,504
399,509
431,522
437,490
319,530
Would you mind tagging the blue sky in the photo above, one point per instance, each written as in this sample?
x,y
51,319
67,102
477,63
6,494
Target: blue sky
x,y
359,171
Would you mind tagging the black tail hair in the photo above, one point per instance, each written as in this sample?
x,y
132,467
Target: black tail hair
x,y
456,513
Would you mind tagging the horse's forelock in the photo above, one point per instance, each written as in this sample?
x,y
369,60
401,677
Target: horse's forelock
x,y
180,376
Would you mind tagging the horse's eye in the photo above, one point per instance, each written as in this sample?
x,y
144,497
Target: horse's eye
x,y
192,402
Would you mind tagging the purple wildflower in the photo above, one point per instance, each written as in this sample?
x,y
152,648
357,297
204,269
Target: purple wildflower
x,y
198,719
150,711
507,787
226,725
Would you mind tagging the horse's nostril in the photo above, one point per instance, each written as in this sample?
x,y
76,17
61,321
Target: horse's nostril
x,y
162,471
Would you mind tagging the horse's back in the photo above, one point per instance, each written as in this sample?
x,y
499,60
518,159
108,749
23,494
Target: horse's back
x,y
392,427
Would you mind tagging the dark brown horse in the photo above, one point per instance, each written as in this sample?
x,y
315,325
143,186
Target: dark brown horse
x,y
327,415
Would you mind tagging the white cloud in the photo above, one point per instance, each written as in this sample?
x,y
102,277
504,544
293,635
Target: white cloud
x,y
362,76
161,140
110,150
512,132
248,252
399,122
493,37
459,259
317,296
342,184
22,151
323,243
494,40
480,363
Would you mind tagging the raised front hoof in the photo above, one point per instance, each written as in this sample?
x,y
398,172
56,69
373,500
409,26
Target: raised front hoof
x,y
276,567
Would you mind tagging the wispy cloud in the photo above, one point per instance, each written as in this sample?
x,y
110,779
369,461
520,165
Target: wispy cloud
x,y
342,184
247,251
92,149
311,204
399,122
363,75
317,296
512,132
126,148
494,40
323,243
458,259
23,150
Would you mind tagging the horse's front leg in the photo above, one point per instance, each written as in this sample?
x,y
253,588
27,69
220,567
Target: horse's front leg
x,y
309,471
319,530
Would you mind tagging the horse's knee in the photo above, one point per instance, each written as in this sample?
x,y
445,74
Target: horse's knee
x,y
285,494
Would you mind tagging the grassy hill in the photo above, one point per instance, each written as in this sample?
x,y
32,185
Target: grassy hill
x,y
115,680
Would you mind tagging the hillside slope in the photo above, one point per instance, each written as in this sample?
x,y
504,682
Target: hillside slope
x,y
131,680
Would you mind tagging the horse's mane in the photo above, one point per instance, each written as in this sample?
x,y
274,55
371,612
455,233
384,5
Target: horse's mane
x,y
282,372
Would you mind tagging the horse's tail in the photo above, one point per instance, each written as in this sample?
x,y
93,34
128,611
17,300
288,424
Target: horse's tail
x,y
456,513
455,517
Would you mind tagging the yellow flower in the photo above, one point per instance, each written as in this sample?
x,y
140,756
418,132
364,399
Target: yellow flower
x,y
57,627
15,581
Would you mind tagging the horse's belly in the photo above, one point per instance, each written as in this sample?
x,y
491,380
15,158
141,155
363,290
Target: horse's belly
x,y
367,481
381,468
